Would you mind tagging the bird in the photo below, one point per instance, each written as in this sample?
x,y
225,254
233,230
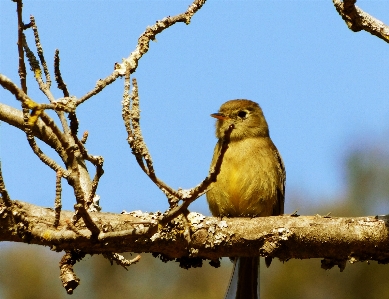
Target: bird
x,y
250,182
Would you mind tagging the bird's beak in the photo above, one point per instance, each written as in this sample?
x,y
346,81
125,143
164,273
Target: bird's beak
x,y
219,116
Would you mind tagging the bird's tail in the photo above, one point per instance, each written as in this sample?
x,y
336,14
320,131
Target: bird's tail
x,y
244,282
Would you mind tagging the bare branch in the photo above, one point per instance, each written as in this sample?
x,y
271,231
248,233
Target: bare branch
x,y
84,137
58,76
34,146
285,237
57,201
78,170
40,52
150,34
22,66
50,124
188,196
40,130
142,47
35,67
120,260
14,117
77,174
73,124
29,123
91,199
357,20
131,117
63,104
12,87
43,157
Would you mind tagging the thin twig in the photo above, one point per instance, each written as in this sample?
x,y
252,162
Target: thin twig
x,y
27,102
34,146
58,204
84,137
139,146
40,51
100,85
98,162
20,94
43,128
190,195
121,260
30,120
131,117
150,34
73,123
35,67
14,117
130,112
58,76
49,122
142,47
22,66
74,174
37,110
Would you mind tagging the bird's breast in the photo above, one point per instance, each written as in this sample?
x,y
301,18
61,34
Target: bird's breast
x,y
247,182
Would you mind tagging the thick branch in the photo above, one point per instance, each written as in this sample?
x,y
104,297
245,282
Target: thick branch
x,y
285,237
357,20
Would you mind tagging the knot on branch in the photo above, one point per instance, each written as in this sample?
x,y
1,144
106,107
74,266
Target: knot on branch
x,y
67,104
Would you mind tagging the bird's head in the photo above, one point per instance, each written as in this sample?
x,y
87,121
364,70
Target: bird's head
x,y
246,117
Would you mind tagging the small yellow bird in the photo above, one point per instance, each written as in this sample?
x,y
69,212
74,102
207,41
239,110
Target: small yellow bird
x,y
251,181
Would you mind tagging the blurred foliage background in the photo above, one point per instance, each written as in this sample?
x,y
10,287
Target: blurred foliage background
x,y
29,271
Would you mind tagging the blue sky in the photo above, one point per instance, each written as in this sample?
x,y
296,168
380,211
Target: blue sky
x,y
322,87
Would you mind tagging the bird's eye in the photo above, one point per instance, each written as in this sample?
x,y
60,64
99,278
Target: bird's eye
x,y
242,114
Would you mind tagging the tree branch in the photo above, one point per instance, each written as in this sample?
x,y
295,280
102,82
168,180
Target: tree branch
x,y
142,48
40,130
285,237
357,20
